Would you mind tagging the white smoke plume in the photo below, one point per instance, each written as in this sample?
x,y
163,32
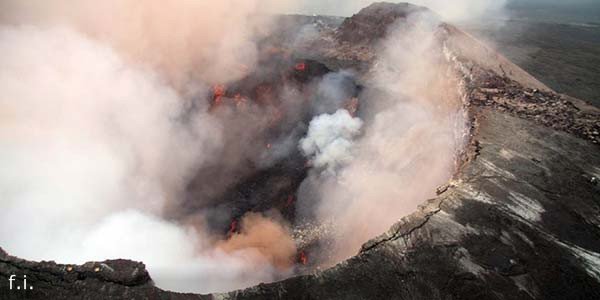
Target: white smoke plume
x,y
186,40
412,133
330,138
98,138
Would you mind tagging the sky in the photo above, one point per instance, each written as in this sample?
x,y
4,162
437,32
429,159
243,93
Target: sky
x,y
464,10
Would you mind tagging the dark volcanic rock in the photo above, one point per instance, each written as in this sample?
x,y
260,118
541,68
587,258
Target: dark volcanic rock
x,y
372,22
520,219
94,280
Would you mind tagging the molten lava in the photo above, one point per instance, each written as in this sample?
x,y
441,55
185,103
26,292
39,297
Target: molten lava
x,y
302,258
218,93
300,67
232,228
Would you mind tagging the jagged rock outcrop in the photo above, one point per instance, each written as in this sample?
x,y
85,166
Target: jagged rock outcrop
x,y
520,219
372,22
111,279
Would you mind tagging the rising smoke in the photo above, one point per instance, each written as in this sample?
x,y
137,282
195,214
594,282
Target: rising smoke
x,y
329,139
92,151
412,132
100,136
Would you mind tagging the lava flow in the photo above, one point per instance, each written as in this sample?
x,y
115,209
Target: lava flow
x,y
300,67
303,258
232,228
218,93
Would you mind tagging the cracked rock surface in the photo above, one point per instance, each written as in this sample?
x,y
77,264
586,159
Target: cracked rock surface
x,y
520,219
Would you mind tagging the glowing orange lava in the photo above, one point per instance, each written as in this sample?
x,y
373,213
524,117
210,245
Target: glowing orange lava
x,y
218,93
232,228
300,67
302,258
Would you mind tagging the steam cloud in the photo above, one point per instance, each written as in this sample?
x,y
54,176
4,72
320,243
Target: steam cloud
x,y
92,151
411,136
329,139
99,136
